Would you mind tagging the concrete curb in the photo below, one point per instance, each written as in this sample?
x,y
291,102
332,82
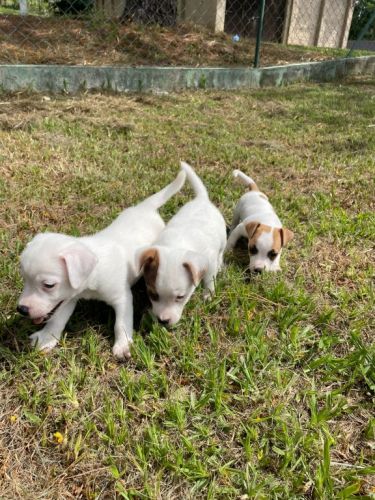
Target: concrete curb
x,y
71,79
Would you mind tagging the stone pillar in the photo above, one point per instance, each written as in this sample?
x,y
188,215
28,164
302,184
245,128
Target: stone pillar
x,y
112,9
322,23
209,13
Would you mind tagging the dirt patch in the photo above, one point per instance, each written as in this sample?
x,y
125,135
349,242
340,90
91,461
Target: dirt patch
x,y
37,40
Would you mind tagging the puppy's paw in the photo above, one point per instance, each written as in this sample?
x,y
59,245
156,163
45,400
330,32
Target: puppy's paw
x,y
208,294
43,341
121,350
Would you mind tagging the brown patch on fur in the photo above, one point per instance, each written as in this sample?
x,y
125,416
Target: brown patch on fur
x,y
196,274
251,229
149,261
286,236
277,239
253,187
281,236
254,230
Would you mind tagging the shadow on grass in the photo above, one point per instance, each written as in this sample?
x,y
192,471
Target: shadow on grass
x,y
239,257
14,337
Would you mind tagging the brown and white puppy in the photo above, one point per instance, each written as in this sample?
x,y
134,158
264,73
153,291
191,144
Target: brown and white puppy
x,y
255,219
59,269
188,250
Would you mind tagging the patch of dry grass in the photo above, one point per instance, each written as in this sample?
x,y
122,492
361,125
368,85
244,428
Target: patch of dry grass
x,y
59,40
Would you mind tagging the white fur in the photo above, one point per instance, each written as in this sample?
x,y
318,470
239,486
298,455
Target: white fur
x,y
255,207
190,247
242,178
101,266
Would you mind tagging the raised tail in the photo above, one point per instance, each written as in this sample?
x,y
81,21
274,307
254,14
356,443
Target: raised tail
x,y
158,199
245,179
198,187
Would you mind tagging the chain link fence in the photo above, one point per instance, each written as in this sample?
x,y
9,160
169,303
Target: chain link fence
x,y
178,32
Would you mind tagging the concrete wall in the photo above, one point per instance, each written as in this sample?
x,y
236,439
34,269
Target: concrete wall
x,y
210,13
323,23
112,9
335,25
303,22
72,79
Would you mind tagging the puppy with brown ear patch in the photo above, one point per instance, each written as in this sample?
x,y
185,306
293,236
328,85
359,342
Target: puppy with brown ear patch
x,y
188,250
255,219
59,269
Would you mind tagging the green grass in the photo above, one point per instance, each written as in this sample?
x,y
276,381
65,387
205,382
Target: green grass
x,y
265,392
8,10
34,8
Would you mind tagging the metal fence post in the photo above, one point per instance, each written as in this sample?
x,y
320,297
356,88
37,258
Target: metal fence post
x,y
262,4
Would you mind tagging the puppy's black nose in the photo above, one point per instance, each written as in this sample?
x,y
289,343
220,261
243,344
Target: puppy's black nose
x,y
24,310
258,270
163,321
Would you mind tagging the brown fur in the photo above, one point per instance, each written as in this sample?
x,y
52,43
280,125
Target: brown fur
x,y
195,274
254,230
253,187
280,236
149,261
251,229
288,235
277,239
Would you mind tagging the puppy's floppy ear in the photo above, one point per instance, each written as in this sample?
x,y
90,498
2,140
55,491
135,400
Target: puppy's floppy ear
x,y
148,262
196,264
251,227
286,236
79,261
146,256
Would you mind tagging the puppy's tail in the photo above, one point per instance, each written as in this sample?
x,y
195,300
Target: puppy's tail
x,y
245,179
196,183
158,199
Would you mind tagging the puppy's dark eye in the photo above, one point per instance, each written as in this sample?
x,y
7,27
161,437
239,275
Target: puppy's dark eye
x,y
253,250
49,285
179,298
272,255
153,296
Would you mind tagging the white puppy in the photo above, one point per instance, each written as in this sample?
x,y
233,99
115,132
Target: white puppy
x,y
58,270
255,219
189,249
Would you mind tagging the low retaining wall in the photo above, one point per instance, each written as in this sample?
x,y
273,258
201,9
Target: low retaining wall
x,y
56,78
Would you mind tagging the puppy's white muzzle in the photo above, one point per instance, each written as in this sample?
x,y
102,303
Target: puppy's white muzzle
x,y
36,316
166,317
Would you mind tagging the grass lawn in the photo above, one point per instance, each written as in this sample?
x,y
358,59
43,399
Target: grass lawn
x,y
265,392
